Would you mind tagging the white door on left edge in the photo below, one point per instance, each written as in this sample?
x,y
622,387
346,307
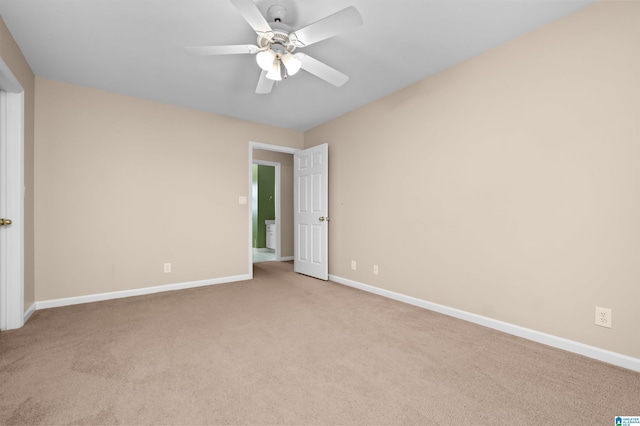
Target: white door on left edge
x,y
311,209
12,192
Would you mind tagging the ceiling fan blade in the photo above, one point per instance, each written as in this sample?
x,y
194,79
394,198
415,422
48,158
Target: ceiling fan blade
x,y
332,25
252,15
264,84
223,50
322,70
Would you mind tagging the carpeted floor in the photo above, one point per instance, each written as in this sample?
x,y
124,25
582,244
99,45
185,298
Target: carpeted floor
x,y
288,349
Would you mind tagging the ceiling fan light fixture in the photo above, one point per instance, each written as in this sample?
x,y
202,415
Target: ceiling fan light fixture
x,y
274,73
291,63
265,59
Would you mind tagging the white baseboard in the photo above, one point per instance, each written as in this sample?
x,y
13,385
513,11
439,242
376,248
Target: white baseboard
x,y
285,258
29,312
55,303
529,334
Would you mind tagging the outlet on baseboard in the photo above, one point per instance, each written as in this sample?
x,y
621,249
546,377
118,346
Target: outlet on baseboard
x,y
353,265
603,317
167,267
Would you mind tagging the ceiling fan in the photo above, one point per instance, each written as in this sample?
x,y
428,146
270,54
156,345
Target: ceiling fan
x,y
277,42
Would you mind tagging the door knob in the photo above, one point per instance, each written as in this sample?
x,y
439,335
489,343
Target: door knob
x,y
5,222
321,219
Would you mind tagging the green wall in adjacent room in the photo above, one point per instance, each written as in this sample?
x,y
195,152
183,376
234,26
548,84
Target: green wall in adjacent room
x,y
264,183
254,204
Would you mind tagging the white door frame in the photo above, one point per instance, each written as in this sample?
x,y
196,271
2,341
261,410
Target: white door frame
x,y
277,197
11,200
265,147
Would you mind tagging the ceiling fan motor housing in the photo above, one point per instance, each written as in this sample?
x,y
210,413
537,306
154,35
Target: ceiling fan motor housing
x,y
280,36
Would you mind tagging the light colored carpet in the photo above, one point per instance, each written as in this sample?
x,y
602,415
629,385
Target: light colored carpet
x,y
288,349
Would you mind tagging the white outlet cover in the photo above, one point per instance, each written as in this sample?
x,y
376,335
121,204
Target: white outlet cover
x,y
603,317
242,199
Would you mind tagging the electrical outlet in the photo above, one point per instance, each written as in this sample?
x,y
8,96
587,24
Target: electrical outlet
x,y
375,269
353,265
603,317
167,267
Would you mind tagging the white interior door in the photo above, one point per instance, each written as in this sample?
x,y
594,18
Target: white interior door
x,y
311,209
11,207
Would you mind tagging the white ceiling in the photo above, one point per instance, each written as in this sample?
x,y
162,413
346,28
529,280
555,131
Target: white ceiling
x,y
135,47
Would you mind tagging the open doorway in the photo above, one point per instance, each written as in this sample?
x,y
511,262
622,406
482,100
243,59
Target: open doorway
x,y
282,226
265,197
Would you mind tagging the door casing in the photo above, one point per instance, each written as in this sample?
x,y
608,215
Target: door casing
x,y
265,147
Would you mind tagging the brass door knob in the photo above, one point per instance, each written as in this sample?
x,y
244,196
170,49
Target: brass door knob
x,y
5,222
321,219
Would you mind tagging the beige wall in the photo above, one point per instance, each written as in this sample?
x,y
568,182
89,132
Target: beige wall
x,y
12,56
286,192
507,186
124,185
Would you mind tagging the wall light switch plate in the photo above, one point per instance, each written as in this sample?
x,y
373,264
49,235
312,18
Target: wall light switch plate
x,y
242,199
